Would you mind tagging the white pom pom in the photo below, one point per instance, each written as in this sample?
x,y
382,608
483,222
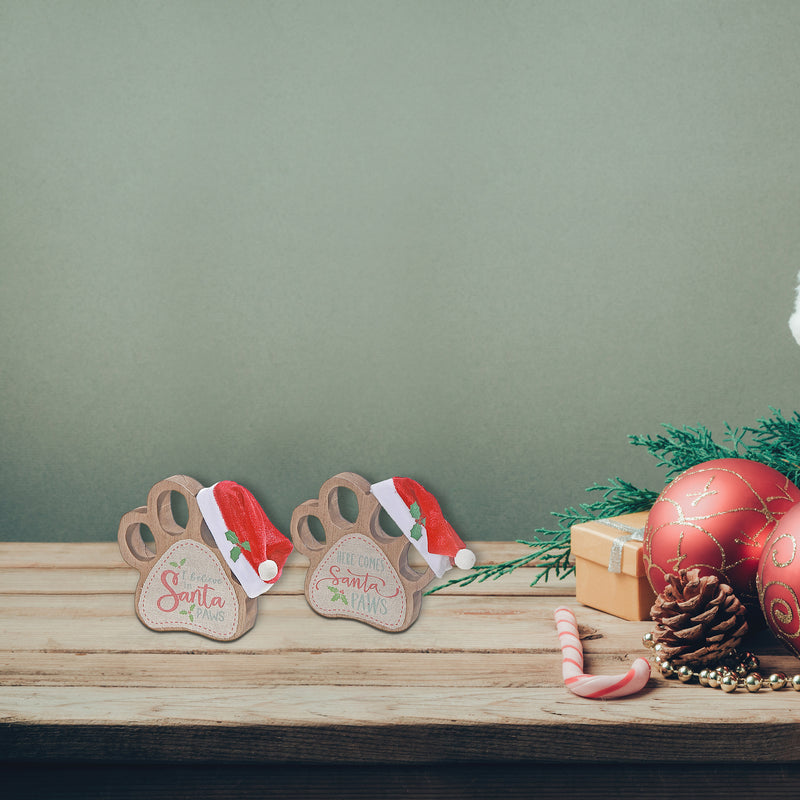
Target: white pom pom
x,y
465,559
267,570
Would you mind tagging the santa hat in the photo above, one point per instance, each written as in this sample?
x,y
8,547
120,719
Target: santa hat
x,y
416,512
251,545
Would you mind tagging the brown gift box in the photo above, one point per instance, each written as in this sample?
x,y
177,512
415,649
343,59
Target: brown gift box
x,y
624,593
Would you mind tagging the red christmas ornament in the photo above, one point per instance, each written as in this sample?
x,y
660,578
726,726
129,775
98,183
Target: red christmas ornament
x,y
778,580
717,516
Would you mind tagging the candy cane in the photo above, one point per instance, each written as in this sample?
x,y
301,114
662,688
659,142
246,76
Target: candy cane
x,y
593,686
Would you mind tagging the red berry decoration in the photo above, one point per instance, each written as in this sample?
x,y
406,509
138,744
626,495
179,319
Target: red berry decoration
x,y
716,517
778,580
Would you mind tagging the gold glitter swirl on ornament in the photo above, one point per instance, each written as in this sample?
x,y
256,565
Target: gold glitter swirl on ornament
x,y
774,554
706,491
784,617
781,609
785,495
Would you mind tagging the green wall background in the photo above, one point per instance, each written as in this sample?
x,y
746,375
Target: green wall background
x,y
474,243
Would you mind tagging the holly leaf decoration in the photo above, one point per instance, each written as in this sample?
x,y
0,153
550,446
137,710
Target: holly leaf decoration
x,y
337,594
419,521
236,550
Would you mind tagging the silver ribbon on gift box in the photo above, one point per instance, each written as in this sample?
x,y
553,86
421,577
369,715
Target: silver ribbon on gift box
x,y
630,534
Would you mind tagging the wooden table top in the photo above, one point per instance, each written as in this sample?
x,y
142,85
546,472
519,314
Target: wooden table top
x,y
473,688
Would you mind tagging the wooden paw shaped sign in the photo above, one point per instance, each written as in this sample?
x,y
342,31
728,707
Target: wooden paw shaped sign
x,y
359,571
184,584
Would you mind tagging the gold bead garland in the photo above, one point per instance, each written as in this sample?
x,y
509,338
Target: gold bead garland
x,y
735,671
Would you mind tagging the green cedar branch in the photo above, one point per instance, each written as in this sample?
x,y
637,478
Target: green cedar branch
x,y
774,441
550,548
682,448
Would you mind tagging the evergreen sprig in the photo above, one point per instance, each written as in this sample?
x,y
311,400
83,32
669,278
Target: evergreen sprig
x,y
682,448
550,547
773,441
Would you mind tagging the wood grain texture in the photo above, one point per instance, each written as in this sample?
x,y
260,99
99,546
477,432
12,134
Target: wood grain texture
x,y
108,580
476,680
507,624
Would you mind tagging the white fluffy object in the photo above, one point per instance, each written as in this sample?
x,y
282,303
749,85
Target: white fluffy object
x,y
794,320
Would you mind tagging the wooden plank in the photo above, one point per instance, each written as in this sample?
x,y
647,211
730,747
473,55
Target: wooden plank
x,y
102,580
493,669
312,668
106,555
107,622
372,705
97,568
368,724
69,580
517,582
60,555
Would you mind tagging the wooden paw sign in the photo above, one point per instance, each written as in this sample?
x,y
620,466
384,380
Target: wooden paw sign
x,y
185,585
359,571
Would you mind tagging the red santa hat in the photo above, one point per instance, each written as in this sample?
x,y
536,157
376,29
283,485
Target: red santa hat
x,y
418,515
251,545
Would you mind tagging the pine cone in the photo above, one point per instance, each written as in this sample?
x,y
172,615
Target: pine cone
x,y
698,620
